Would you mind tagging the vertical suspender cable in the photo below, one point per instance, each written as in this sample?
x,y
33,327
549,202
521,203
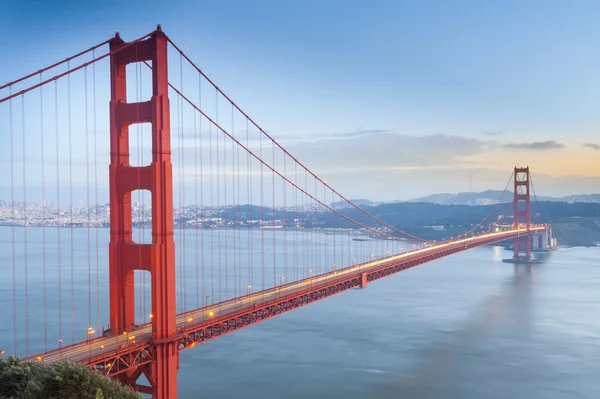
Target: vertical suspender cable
x,y
58,219
224,206
239,214
87,193
262,213
295,219
201,148
307,255
13,221
177,210
212,210
326,228
333,225
42,160
182,199
234,210
197,241
315,234
23,138
219,207
273,226
237,260
250,217
96,196
71,206
285,241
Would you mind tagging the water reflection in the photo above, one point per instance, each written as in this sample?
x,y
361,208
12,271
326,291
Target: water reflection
x,y
449,367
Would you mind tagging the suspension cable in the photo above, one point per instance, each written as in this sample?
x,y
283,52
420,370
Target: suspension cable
x,y
71,70
285,151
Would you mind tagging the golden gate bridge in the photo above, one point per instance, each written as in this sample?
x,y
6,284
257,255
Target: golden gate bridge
x,y
243,205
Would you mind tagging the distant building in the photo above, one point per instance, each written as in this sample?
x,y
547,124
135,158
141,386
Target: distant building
x,y
486,201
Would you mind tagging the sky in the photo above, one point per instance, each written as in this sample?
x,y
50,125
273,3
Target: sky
x,y
385,100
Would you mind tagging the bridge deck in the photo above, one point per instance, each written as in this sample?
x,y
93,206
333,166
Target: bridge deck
x,y
116,354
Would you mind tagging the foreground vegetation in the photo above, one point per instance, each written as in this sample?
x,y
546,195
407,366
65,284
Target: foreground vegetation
x,y
34,380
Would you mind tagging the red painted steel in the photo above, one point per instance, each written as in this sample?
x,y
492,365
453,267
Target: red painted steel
x,y
522,216
125,256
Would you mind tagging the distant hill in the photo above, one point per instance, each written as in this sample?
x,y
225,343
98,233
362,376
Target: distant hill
x,y
489,197
572,223
590,198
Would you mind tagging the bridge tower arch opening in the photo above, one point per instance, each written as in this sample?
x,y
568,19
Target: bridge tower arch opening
x,y
125,255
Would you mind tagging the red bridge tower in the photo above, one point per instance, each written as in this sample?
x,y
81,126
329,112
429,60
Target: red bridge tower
x,y
158,258
522,214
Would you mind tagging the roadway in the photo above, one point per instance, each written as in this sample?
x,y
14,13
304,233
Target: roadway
x,y
104,345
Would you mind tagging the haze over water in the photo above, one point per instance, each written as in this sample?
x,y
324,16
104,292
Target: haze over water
x,y
466,326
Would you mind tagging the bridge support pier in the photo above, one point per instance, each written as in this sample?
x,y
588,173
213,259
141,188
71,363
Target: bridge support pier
x,y
158,258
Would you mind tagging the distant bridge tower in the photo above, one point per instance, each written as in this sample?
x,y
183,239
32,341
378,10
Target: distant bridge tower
x,y
522,214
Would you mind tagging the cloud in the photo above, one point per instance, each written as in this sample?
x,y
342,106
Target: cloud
x,y
492,133
592,146
377,150
360,133
536,145
336,136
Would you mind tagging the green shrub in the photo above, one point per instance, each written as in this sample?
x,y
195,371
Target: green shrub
x,y
34,380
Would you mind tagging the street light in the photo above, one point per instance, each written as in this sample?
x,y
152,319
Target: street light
x,y
206,303
248,289
1,353
281,280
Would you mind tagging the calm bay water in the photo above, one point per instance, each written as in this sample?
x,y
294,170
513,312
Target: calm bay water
x,y
467,326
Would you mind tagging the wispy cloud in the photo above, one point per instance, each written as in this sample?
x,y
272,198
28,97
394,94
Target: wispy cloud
x,y
386,150
492,132
353,134
356,133
536,145
592,146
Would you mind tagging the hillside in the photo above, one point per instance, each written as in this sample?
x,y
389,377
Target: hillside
x,y
493,196
573,224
